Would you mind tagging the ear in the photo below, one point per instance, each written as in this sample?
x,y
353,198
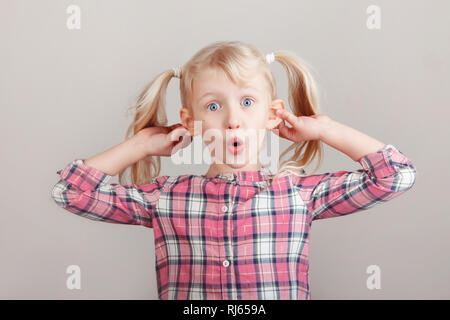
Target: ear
x,y
187,119
273,120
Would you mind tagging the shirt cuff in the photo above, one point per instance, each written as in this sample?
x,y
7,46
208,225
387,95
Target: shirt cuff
x,y
82,176
384,162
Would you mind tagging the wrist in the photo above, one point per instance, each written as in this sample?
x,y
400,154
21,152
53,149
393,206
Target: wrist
x,y
139,146
325,124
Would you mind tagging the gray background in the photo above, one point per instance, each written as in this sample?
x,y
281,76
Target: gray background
x,y
64,94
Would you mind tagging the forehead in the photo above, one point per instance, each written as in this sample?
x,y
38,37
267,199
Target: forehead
x,y
215,79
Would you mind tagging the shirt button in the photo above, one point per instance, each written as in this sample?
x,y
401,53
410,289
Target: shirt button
x,y
226,263
224,208
229,175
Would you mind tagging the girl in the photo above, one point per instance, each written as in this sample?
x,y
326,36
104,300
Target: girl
x,y
239,231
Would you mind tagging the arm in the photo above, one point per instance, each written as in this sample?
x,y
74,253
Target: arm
x,y
353,143
83,190
386,173
83,187
150,141
121,156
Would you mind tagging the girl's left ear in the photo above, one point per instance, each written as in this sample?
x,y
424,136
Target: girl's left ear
x,y
273,120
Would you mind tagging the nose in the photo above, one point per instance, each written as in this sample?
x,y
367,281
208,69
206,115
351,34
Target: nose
x,y
233,119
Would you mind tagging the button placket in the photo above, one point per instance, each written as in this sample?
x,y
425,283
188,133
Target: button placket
x,y
227,254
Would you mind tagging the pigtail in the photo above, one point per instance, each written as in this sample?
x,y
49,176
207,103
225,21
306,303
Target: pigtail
x,y
149,111
235,59
303,98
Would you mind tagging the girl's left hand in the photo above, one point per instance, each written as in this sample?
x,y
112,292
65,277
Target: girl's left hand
x,y
304,128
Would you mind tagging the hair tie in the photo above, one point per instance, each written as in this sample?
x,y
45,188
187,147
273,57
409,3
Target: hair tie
x,y
270,57
177,72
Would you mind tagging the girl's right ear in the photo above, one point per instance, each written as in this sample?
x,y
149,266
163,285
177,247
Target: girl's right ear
x,y
187,120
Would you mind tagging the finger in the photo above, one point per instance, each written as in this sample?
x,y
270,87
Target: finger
x,y
276,131
158,129
277,128
285,131
184,140
176,134
178,125
288,116
174,126
280,129
274,128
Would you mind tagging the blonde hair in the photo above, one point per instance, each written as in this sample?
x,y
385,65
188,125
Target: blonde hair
x,y
236,59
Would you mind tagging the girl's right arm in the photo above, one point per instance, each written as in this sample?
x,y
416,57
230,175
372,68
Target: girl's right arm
x,y
152,141
83,187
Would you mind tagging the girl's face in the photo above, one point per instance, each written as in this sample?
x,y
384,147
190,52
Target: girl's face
x,y
225,112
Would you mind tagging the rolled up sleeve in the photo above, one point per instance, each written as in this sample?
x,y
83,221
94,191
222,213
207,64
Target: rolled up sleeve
x,y
85,191
385,174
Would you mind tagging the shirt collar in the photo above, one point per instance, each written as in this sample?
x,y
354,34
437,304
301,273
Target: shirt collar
x,y
250,175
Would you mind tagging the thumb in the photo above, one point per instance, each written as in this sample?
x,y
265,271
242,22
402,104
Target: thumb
x,y
175,134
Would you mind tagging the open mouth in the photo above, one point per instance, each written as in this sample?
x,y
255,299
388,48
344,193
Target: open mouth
x,y
235,145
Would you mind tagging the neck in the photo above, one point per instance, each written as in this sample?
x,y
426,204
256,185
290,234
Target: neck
x,y
216,169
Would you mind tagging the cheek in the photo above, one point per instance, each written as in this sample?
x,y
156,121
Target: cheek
x,y
212,122
211,132
260,120
201,124
206,125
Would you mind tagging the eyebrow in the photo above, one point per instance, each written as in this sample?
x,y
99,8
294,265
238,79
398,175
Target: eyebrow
x,y
212,93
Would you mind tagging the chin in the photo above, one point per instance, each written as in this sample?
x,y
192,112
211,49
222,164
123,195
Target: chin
x,y
236,165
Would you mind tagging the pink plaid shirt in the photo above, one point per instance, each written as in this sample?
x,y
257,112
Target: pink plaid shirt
x,y
234,236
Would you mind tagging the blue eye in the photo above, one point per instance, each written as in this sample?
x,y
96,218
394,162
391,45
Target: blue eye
x,y
212,104
247,99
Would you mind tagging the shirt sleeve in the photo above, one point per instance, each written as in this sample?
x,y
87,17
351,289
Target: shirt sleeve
x,y
84,190
385,174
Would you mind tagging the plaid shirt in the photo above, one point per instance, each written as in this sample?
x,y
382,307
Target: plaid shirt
x,y
234,236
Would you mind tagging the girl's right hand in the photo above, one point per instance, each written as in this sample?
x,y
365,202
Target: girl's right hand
x,y
165,141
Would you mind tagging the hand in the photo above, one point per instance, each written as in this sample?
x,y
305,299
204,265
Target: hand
x,y
164,141
304,128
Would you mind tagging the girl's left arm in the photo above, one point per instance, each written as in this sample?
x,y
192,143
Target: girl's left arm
x,y
386,172
353,143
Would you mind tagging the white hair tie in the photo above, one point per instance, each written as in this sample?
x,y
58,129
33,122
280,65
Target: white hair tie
x,y
270,57
177,72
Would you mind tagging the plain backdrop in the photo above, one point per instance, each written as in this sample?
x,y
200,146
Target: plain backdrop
x,y
64,94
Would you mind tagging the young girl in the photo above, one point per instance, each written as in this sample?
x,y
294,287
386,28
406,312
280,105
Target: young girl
x,y
239,231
